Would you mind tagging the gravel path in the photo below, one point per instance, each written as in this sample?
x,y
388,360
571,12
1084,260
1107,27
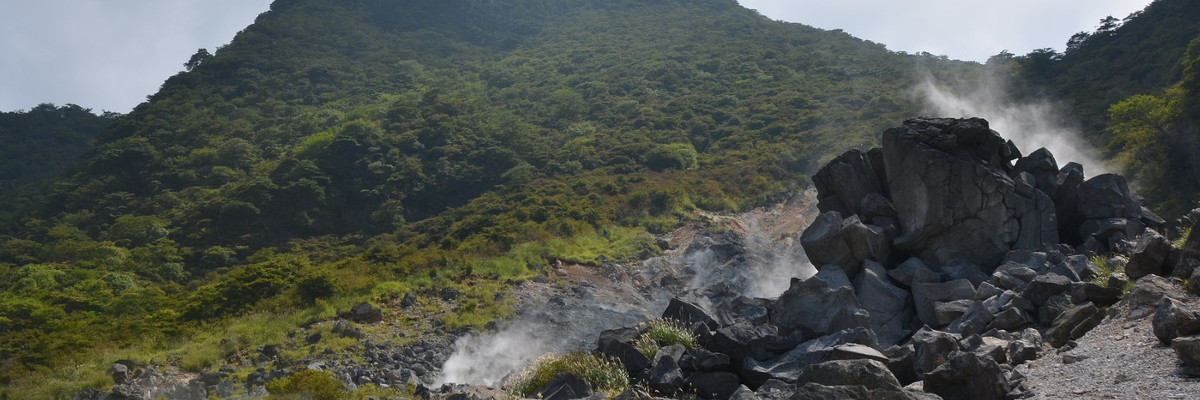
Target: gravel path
x,y
1120,359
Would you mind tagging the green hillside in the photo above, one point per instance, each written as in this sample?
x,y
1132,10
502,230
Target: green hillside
x,y
337,152
345,151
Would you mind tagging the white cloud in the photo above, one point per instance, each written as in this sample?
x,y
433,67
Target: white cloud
x,y
965,30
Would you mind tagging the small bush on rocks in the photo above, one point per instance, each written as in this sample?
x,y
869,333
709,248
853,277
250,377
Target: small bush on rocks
x,y
603,374
661,332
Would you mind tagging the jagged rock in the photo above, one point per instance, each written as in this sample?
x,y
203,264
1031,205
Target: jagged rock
x,y
1149,257
1188,349
932,349
854,351
912,272
1042,166
736,340
967,376
787,366
1012,276
703,360
714,385
618,343
1101,208
824,243
845,181
1088,291
949,311
564,386
814,309
884,302
926,296
953,198
665,376
844,242
901,360
1172,320
1149,292
1025,347
730,307
120,373
974,320
1054,306
834,276
1044,286
870,374
409,300
1011,319
1073,324
365,313
689,313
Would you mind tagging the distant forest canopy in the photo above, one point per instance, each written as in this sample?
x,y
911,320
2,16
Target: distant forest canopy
x,y
41,143
344,151
1103,79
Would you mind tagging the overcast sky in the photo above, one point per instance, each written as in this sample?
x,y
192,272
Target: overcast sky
x,y
110,54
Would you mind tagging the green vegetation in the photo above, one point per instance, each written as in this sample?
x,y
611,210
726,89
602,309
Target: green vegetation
x,y
661,332
336,153
1133,85
602,374
307,384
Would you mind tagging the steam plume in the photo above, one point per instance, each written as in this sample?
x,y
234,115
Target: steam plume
x,y
1030,125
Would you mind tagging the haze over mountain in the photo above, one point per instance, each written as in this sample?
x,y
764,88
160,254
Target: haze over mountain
x,y
340,152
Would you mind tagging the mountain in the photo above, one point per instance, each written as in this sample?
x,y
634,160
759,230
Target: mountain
x,y
337,153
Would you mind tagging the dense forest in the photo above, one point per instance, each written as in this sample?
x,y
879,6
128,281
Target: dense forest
x,y
345,151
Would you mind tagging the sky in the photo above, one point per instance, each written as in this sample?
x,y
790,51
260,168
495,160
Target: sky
x,y
108,55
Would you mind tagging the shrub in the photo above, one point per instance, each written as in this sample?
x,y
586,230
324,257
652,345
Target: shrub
x,y
604,375
307,384
660,332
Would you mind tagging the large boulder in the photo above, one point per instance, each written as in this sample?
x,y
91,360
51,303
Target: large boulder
x,y
954,199
618,343
885,303
1173,319
1073,324
1149,256
844,242
927,295
968,376
1101,209
843,183
787,366
812,308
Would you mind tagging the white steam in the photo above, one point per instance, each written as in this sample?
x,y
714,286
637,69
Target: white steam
x,y
1030,125
488,359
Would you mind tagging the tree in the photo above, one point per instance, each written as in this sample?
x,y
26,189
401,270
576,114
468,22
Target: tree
x,y
200,57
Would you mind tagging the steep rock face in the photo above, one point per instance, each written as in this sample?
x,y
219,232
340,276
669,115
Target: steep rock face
x,y
948,180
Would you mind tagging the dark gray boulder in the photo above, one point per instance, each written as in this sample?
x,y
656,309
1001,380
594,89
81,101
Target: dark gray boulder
x,y
702,360
689,313
870,374
365,313
1073,324
713,385
954,201
618,343
665,376
824,243
843,183
564,386
812,308
1172,320
1044,286
913,271
932,349
926,296
1149,256
885,303
1188,350
787,366
968,376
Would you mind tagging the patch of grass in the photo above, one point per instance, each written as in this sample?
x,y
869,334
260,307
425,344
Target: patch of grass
x,y
1184,233
660,332
604,375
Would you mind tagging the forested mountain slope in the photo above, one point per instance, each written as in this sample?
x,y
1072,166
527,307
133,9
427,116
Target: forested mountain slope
x,y
43,142
1144,62
342,151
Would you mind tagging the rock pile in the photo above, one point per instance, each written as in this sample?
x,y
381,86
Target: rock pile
x,y
944,259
